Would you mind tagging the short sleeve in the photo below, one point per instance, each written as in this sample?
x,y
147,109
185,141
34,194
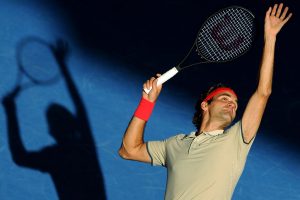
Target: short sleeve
x,y
243,147
157,152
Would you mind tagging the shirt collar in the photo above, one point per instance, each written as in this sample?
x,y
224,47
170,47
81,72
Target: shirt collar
x,y
210,133
214,133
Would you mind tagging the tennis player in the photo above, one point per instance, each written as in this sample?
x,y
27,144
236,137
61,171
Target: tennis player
x,y
207,163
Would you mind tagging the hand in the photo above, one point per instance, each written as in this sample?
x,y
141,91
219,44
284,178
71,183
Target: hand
x,y
274,20
155,91
61,49
9,99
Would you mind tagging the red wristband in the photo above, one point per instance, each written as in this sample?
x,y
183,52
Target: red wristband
x,y
144,109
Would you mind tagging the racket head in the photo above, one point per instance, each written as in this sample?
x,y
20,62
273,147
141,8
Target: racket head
x,y
226,35
36,61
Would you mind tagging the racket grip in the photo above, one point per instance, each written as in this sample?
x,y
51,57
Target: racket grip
x,y
163,78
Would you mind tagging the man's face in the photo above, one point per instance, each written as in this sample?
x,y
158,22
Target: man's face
x,y
223,107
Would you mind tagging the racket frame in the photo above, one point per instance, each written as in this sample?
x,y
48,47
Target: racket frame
x,y
173,71
21,69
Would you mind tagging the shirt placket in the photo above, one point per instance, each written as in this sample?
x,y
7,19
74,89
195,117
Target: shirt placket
x,y
197,141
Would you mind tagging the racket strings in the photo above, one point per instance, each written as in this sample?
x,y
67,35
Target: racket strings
x,y
180,67
226,35
232,35
243,27
37,62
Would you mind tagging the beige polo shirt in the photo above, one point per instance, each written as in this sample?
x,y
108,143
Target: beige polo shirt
x,y
206,167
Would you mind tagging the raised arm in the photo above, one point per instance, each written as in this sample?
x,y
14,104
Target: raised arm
x,y
20,155
133,146
61,51
274,21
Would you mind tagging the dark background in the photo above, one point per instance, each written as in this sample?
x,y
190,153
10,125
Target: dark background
x,y
115,46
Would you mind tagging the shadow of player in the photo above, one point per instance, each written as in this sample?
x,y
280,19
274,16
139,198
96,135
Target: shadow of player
x,y
72,161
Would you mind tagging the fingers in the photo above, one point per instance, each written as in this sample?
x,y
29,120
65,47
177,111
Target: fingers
x,y
148,84
284,13
153,89
279,10
275,19
151,83
269,12
287,19
157,76
156,85
274,9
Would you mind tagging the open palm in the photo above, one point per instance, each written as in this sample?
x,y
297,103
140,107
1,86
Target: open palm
x,y
275,19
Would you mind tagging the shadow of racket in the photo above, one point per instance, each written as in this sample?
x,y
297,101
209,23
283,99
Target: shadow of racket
x,y
36,62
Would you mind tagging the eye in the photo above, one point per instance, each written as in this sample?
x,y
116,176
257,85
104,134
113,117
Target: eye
x,y
224,98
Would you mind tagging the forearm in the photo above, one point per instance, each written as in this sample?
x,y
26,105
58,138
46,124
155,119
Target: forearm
x,y
274,21
267,67
16,146
72,89
133,138
133,146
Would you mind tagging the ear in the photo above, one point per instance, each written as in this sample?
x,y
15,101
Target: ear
x,y
204,105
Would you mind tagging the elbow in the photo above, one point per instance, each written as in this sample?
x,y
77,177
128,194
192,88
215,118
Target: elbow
x,y
19,155
18,160
265,93
124,154
129,153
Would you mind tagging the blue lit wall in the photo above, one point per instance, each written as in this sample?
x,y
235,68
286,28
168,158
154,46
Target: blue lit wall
x,y
115,46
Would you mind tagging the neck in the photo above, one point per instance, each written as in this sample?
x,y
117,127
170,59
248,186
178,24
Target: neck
x,y
210,125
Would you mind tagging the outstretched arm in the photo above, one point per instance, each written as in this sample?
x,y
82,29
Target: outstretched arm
x,y
20,155
274,21
61,51
133,146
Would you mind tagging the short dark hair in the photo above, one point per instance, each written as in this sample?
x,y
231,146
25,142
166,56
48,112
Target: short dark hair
x,y
197,118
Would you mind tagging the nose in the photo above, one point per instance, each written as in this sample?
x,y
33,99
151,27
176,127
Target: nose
x,y
232,104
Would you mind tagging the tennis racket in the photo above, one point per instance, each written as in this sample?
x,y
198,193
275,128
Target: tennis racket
x,y
36,62
224,36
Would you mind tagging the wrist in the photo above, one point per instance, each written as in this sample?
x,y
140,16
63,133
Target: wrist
x,y
150,98
270,38
144,109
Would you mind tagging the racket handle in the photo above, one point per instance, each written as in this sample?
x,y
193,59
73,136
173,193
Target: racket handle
x,y
163,78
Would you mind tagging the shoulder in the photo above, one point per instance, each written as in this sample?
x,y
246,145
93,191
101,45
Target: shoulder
x,y
234,130
235,127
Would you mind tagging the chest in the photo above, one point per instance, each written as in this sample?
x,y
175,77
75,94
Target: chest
x,y
204,153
